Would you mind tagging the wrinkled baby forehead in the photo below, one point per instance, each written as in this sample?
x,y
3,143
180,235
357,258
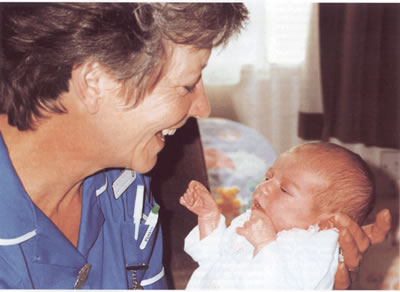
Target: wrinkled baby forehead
x,y
317,167
315,154
304,154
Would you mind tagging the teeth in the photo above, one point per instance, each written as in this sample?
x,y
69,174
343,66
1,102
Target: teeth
x,y
168,132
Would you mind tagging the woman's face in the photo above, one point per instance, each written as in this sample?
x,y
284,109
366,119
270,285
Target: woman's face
x,y
286,194
133,138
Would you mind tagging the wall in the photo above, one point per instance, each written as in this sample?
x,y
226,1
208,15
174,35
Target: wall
x,y
281,131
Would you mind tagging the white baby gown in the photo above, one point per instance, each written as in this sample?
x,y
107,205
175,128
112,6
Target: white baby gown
x,y
297,259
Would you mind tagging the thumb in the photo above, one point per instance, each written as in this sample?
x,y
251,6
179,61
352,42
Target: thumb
x,y
380,229
183,202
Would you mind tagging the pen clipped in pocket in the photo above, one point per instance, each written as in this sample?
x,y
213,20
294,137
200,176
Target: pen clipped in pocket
x,y
151,223
147,231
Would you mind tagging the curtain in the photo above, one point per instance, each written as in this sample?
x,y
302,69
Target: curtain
x,y
360,74
258,79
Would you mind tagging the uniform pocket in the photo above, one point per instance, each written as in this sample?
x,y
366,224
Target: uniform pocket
x,y
134,255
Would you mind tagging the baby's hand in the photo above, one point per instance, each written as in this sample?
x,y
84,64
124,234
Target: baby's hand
x,y
199,200
259,230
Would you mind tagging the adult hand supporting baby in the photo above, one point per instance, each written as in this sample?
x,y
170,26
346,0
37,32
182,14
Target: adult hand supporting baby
x,y
355,240
199,200
258,230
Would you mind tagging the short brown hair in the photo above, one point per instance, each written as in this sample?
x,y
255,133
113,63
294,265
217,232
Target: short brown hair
x,y
349,185
42,42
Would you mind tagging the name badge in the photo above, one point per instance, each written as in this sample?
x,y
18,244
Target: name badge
x,y
125,179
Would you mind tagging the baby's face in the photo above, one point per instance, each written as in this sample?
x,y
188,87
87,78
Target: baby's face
x,y
286,194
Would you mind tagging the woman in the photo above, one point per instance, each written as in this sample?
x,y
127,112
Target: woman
x,y
88,92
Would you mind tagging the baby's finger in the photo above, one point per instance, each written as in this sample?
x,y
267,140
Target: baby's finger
x,y
189,198
183,202
241,231
193,185
247,224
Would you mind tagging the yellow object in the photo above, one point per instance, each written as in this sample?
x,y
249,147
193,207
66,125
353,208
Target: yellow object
x,y
228,204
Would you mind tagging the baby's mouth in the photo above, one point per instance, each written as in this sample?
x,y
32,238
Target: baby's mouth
x,y
255,205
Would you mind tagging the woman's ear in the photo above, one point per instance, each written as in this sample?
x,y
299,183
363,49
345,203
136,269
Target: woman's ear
x,y
87,80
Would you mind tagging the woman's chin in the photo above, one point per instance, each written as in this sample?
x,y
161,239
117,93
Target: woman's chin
x,y
144,166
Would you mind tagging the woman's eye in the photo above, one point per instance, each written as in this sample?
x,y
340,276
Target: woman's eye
x,y
189,88
266,178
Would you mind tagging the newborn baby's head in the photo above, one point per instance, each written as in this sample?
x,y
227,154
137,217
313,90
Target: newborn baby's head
x,y
310,183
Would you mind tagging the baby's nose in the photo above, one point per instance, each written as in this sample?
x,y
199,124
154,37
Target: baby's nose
x,y
262,189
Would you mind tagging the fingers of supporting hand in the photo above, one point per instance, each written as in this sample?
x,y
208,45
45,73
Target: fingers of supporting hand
x,y
355,235
351,253
381,227
384,220
327,224
342,277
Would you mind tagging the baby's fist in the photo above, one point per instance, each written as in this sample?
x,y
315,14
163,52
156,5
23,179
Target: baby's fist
x,y
199,200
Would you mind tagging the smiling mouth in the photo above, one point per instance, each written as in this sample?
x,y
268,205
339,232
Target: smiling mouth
x,y
167,132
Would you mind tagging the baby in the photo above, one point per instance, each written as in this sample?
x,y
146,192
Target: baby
x,y
279,242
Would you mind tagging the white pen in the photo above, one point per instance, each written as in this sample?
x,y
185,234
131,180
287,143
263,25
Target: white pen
x,y
151,221
137,213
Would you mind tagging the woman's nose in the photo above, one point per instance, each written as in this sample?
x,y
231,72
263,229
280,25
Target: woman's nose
x,y
200,106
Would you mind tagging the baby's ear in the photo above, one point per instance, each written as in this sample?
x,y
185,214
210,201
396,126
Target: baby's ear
x,y
326,221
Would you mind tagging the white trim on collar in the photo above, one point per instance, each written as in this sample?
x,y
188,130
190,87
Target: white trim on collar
x,y
19,239
103,188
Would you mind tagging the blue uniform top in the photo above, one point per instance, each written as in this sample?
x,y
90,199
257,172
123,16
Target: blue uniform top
x,y
35,254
